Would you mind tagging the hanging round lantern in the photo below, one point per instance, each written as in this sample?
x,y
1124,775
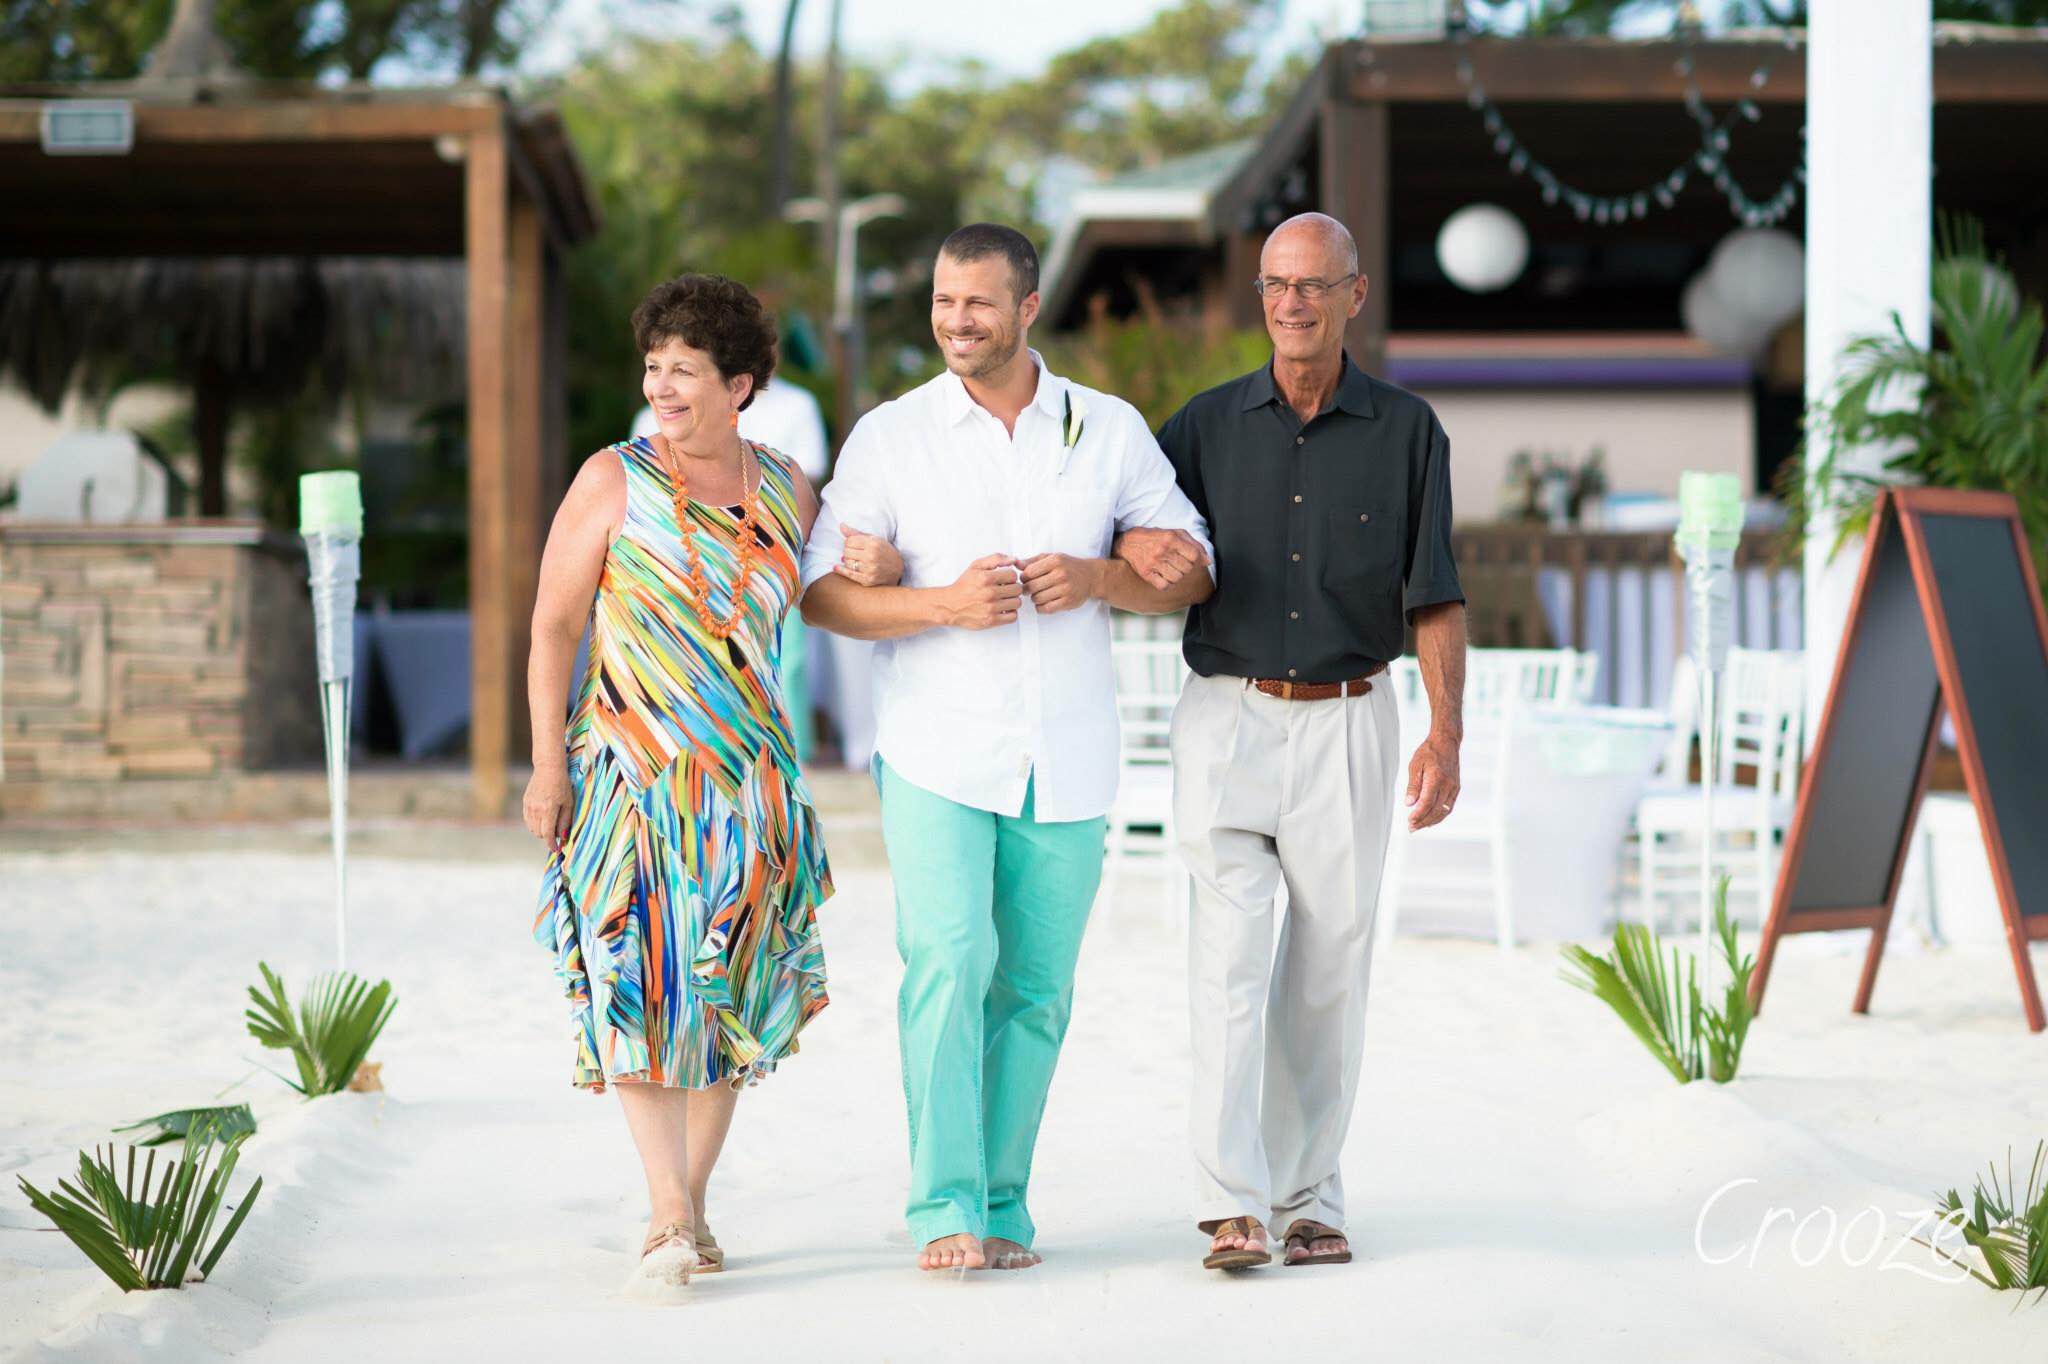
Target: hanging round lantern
x,y
1709,318
1759,275
1483,248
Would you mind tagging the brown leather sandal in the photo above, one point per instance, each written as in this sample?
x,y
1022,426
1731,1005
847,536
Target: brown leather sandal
x,y
710,1255
1304,1233
1239,1257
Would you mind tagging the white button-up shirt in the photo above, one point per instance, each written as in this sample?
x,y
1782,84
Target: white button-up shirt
x,y
972,715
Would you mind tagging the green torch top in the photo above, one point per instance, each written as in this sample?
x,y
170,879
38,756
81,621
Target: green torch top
x,y
1709,510
331,503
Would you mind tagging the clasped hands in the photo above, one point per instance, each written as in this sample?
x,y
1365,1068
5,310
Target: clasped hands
x,y
992,589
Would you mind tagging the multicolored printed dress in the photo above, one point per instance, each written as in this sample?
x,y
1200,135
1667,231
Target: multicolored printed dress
x,y
681,908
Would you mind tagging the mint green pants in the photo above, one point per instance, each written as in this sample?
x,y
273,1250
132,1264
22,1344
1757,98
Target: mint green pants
x,y
989,914
796,683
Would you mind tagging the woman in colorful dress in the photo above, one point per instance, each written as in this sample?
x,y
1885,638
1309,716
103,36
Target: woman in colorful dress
x,y
685,862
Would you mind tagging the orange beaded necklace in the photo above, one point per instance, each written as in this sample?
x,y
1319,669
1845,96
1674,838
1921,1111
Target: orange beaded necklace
x,y
721,628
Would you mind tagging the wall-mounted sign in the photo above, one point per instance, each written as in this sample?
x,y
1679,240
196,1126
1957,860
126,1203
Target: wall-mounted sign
x,y
88,127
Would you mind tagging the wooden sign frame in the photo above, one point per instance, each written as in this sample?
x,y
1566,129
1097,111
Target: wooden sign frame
x,y
1899,512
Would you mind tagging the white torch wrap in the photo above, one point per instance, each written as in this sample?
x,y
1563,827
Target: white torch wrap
x,y
334,565
1710,588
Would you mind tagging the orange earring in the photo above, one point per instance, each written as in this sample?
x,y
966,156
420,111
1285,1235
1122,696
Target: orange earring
x,y
735,419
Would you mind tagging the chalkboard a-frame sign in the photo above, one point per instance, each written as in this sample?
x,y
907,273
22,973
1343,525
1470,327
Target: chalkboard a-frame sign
x,y
1947,612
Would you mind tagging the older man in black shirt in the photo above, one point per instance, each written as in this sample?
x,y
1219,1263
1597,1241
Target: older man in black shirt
x,y
1328,498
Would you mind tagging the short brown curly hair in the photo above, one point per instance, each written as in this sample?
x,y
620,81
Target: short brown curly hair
x,y
716,315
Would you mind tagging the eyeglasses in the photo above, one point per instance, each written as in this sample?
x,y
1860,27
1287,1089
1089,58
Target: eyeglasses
x,y
1309,289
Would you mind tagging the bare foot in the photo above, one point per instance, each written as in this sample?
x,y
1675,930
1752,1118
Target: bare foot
x,y
1003,1253
1227,1237
952,1252
1321,1240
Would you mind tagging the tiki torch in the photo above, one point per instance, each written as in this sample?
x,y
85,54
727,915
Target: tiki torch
x,y
331,520
1709,528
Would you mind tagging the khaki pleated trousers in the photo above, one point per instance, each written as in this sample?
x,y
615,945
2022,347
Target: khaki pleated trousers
x,y
1266,792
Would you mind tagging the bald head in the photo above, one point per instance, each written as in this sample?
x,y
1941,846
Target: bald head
x,y
1316,234
1317,253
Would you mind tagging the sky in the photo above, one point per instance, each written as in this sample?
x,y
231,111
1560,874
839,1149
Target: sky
x,y
1017,37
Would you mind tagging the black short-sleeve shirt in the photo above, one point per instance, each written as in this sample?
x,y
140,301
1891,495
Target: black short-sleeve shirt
x,y
1329,534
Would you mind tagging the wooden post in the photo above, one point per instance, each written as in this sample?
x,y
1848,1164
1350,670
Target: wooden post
x,y
485,242
557,462
526,426
1355,172
1240,267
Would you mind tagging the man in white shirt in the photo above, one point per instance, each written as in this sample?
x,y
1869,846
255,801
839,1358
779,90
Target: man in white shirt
x,y
1002,486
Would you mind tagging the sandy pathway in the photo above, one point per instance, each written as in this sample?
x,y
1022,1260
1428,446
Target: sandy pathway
x,y
1525,1183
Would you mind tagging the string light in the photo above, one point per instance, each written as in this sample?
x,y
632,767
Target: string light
x,y
1710,161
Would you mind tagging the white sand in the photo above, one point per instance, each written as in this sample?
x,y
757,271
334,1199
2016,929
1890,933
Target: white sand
x,y
1525,1183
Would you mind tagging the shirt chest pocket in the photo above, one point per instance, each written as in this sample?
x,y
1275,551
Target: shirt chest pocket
x,y
1361,549
1077,515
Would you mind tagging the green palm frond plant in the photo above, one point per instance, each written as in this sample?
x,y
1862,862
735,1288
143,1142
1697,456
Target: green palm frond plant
x,y
1658,997
149,1230
2007,1227
1724,1030
336,1025
1969,410
225,1123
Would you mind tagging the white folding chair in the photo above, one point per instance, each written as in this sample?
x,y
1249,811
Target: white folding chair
x,y
1149,676
1499,684
1762,723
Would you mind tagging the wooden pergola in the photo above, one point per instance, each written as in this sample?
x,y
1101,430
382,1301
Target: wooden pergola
x,y
1382,135
253,169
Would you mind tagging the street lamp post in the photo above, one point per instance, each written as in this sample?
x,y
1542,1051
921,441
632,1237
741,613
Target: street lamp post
x,y
848,328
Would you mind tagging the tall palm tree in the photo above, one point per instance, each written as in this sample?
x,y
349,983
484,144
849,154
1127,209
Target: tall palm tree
x,y
785,96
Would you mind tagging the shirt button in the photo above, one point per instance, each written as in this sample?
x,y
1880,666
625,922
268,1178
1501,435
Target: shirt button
x,y
1364,517
1290,672
1301,440
1297,497
1296,558
1294,615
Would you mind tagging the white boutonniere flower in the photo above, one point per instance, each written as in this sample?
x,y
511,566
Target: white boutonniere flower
x,y
1073,416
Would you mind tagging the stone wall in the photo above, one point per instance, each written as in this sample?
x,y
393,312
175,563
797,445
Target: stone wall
x,y
133,652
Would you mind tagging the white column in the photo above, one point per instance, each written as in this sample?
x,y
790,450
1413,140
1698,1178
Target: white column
x,y
1869,211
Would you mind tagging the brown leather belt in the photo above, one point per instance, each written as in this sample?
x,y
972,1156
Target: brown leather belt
x,y
1317,691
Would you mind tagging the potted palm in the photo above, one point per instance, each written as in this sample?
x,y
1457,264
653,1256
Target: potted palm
x,y
1968,411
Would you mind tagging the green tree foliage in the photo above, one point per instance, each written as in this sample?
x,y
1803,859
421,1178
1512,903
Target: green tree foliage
x,y
69,40
1969,410
674,137
1155,361
677,138
1188,78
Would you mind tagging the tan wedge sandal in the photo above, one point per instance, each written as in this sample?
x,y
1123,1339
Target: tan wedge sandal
x,y
710,1255
667,1259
